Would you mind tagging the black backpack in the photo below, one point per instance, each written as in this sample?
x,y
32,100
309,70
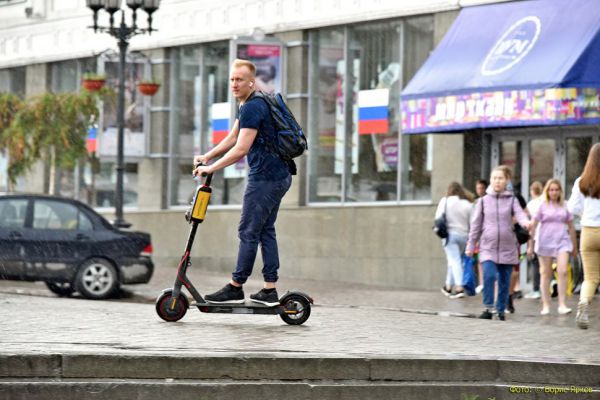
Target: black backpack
x,y
291,142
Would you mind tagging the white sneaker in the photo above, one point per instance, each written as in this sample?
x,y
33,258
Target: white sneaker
x,y
545,311
458,295
533,295
479,289
564,310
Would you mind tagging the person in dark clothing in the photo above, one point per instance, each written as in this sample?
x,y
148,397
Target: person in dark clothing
x,y
269,179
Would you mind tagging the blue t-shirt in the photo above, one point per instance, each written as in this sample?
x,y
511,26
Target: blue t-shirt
x,y
264,164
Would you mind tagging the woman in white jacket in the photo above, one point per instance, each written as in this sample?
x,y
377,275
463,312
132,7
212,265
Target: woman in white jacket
x,y
585,201
458,208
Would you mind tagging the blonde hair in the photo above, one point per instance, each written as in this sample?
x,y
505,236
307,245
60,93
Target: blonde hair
x,y
506,171
238,62
547,188
536,188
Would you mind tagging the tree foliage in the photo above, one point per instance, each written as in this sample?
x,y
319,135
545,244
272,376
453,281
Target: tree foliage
x,y
51,126
12,143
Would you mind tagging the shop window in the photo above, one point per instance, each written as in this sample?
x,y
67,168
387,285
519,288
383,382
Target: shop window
x,y
326,136
376,113
356,152
185,81
100,176
65,76
104,185
541,161
511,155
201,85
12,80
416,150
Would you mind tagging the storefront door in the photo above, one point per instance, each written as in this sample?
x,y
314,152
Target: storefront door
x,y
530,159
534,156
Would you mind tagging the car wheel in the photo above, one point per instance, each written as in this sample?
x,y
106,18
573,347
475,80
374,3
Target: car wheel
x,y
62,289
97,279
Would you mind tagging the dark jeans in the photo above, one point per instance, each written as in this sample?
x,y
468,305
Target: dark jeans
x,y
491,273
257,226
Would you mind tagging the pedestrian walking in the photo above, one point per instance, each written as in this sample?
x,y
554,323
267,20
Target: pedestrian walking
x,y
492,227
480,187
585,201
458,208
269,179
513,292
556,240
535,193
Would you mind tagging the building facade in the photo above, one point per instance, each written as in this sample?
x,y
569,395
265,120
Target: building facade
x,y
361,207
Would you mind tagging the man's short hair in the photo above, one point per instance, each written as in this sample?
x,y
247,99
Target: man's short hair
x,y
237,63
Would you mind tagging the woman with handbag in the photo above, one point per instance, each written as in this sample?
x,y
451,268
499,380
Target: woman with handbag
x,y
492,227
457,207
585,201
555,240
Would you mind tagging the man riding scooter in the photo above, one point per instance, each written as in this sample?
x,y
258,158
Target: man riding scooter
x,y
269,178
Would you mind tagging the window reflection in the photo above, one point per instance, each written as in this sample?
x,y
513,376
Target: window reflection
x,y
577,152
201,80
541,160
326,114
355,151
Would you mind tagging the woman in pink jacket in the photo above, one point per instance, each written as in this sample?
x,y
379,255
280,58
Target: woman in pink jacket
x,y
492,227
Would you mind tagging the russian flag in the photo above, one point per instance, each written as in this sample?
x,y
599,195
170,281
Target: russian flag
x,y
90,143
220,114
373,111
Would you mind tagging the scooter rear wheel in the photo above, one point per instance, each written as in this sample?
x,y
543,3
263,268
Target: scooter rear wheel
x,y
164,304
297,309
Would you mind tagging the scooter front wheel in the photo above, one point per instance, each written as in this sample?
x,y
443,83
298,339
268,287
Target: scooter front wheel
x,y
296,309
169,309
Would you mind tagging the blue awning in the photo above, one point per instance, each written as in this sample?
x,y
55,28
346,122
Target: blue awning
x,y
519,63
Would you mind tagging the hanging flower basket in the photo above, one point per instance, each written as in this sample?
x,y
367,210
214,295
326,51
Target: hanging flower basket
x,y
148,88
93,85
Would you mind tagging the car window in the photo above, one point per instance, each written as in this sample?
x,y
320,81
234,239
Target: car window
x,y
49,214
84,222
12,213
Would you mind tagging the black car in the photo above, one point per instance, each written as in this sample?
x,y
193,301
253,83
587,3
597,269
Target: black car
x,y
68,245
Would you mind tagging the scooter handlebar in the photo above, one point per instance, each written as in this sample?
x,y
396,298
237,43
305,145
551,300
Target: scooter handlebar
x,y
207,177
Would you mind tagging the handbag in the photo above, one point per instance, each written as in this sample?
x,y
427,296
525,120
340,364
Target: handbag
x,y
521,233
439,224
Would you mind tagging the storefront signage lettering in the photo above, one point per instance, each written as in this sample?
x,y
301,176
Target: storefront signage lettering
x,y
504,108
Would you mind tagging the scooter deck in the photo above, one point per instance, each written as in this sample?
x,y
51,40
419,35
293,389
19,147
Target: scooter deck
x,y
248,307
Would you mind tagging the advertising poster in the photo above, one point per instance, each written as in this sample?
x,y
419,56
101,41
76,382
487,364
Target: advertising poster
x,y
268,60
269,71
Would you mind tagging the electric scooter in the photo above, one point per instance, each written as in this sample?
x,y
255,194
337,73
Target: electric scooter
x,y
172,304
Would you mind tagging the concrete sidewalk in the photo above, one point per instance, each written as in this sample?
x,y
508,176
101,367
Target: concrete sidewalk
x,y
360,342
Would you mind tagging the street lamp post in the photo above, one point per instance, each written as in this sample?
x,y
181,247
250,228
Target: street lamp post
x,y
122,33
